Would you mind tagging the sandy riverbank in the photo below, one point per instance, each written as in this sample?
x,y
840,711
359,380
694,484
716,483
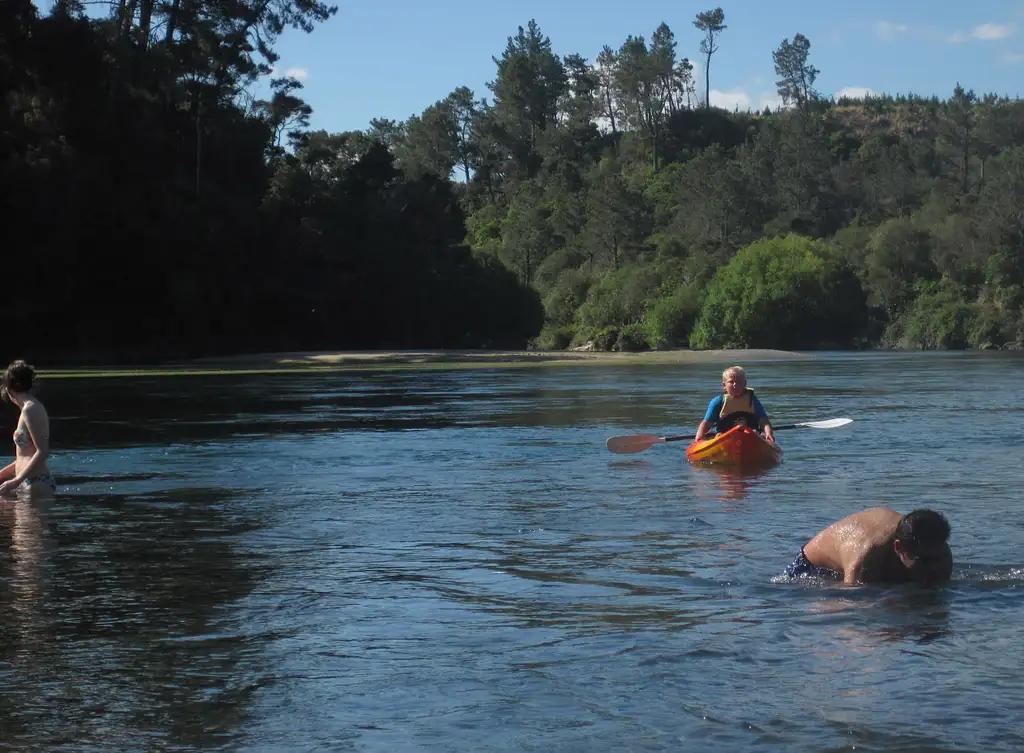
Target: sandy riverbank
x,y
413,360
482,358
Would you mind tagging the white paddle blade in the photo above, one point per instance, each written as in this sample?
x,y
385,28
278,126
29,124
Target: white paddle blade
x,y
832,423
632,443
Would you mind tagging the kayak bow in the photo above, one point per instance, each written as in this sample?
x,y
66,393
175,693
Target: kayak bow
x,y
738,446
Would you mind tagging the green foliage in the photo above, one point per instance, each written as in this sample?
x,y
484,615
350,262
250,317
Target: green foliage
x,y
897,257
566,296
483,229
992,327
610,303
495,310
998,213
531,82
526,235
615,302
938,318
617,218
670,319
632,337
851,242
429,143
139,180
787,292
587,201
796,74
712,23
554,337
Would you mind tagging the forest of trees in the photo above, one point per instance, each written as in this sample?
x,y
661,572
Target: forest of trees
x,y
154,208
150,211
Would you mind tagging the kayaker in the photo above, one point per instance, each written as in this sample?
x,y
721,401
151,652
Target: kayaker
x,y
737,405
879,545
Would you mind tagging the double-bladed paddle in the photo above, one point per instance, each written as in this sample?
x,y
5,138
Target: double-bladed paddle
x,y
626,445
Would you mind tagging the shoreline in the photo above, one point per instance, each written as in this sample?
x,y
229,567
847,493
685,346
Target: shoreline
x,y
489,358
426,359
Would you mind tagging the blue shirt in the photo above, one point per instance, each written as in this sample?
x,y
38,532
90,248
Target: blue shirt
x,y
714,411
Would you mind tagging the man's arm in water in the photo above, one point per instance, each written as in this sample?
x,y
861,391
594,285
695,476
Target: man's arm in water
x,y
831,550
853,568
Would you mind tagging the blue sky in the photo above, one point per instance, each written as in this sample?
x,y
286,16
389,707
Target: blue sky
x,y
392,59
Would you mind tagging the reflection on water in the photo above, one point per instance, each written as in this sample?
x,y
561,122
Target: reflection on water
x,y
453,561
24,521
728,483
114,615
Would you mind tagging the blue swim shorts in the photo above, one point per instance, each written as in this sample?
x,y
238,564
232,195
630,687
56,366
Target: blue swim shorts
x,y
802,567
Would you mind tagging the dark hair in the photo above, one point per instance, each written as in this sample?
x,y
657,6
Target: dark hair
x,y
922,528
19,377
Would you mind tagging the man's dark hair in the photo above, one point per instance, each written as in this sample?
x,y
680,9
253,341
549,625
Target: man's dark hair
x,y
922,528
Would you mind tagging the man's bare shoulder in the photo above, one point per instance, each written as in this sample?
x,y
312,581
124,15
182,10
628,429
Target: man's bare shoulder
x,y
860,523
847,543
871,517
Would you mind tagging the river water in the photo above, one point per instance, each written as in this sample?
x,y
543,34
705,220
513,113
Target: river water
x,y
452,561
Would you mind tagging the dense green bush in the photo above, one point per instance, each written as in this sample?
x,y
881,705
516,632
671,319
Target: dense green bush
x,y
617,299
787,292
554,338
670,319
939,318
565,297
898,255
632,337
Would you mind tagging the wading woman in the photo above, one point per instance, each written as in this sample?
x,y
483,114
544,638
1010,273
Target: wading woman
x,y
29,471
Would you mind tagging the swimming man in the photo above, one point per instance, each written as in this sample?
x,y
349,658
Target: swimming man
x,y
879,545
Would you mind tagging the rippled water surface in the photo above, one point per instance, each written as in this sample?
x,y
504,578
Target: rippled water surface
x,y
452,561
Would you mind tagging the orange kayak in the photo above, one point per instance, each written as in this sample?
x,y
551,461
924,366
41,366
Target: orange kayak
x,y
738,446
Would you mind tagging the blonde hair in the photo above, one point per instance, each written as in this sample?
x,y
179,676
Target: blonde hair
x,y
737,370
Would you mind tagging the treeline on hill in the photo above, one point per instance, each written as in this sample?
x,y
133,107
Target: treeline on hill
x,y
154,209
887,221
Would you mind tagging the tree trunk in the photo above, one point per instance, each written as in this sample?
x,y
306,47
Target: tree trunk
x,y
126,13
145,23
172,21
611,111
122,15
654,147
707,83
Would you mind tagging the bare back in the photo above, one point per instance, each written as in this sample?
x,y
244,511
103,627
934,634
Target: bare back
x,y
857,546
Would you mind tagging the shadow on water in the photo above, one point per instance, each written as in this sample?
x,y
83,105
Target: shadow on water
x,y
115,622
95,412
890,615
98,413
866,616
